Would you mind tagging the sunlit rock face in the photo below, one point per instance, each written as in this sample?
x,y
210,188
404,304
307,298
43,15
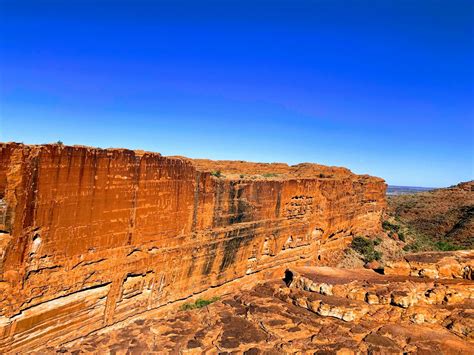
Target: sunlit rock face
x,y
90,237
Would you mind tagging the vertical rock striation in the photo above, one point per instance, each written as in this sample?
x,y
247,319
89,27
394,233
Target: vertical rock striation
x,y
90,237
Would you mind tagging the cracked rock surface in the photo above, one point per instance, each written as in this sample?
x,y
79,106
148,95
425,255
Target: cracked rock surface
x,y
311,310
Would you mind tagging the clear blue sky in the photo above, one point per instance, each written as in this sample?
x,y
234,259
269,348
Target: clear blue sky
x,y
382,87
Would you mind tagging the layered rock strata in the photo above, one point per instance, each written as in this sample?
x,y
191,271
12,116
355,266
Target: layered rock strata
x,y
90,237
314,310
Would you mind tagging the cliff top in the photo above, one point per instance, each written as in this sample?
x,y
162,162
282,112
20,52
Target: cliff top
x,y
235,168
228,169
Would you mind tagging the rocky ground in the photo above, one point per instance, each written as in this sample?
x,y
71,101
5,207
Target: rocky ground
x,y
423,303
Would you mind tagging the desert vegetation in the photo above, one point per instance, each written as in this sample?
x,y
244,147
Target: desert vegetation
x,y
217,173
366,248
199,303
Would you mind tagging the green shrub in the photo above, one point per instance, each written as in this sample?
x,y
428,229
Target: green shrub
x,y
365,247
60,142
216,173
390,227
414,247
401,236
199,303
267,175
445,246
377,241
242,176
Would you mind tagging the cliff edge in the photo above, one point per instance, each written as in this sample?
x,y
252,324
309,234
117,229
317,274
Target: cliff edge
x,y
90,237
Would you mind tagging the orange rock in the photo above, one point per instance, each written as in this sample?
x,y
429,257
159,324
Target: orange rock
x,y
297,315
445,265
374,265
94,236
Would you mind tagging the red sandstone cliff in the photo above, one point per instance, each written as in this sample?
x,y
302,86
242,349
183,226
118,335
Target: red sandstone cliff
x,y
90,237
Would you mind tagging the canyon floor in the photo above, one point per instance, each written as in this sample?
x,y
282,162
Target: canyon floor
x,y
422,304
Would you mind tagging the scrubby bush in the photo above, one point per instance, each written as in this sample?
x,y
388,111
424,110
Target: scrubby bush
x,y
199,303
267,175
445,246
424,244
365,247
401,236
413,247
216,173
390,227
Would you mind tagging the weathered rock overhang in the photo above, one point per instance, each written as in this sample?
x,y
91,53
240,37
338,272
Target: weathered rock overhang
x,y
90,237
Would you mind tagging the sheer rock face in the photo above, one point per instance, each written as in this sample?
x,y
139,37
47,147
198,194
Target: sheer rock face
x,y
90,237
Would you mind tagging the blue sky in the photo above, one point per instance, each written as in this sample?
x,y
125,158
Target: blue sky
x,y
381,87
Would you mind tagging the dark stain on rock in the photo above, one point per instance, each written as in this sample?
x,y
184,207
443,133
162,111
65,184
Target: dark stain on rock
x,y
211,256
218,197
278,204
193,263
231,247
238,208
197,181
294,329
193,343
234,240
232,244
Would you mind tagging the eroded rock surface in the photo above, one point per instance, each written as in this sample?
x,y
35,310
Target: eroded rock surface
x,y
444,265
91,237
313,310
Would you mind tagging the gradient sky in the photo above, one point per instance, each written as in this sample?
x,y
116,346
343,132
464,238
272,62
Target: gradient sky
x,y
381,87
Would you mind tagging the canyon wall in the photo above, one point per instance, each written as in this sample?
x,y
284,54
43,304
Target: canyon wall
x,y
90,237
438,216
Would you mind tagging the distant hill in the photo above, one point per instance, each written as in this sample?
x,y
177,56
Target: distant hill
x,y
444,217
402,190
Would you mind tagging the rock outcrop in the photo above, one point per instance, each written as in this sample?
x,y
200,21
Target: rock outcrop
x,y
443,265
314,310
90,237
